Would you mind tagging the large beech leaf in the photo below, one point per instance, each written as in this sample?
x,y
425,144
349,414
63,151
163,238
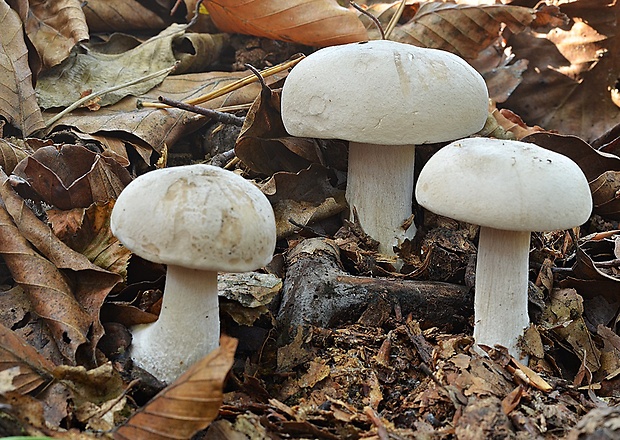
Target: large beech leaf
x,y
466,30
71,176
187,405
65,289
32,369
310,22
54,27
18,103
572,73
82,73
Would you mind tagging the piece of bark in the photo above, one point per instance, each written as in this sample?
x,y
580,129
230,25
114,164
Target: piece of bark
x,y
316,291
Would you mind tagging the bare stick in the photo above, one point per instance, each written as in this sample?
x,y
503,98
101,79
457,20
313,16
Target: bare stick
x,y
224,118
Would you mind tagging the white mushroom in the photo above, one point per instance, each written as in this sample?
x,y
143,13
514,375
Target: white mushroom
x,y
509,188
383,97
197,219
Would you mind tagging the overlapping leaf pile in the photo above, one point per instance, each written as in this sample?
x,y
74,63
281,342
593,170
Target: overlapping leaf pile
x,y
80,83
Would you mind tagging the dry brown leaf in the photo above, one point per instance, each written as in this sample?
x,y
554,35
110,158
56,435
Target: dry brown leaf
x,y
94,70
33,369
87,231
310,22
264,145
571,72
606,194
49,292
72,176
154,127
187,405
10,155
19,103
466,30
564,314
120,15
303,198
55,27
69,301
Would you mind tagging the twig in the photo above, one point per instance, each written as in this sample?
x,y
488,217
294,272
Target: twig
x,y
224,118
234,85
85,99
256,72
394,20
382,432
369,15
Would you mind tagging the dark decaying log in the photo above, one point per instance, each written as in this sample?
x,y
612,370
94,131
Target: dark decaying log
x,y
316,291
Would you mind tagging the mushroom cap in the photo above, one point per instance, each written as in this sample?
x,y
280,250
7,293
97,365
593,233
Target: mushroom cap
x,y
509,185
196,216
383,92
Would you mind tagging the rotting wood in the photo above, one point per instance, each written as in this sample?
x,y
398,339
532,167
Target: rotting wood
x,y
317,291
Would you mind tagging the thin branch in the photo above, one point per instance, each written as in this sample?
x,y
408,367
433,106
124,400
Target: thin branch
x,y
224,118
369,15
394,20
234,85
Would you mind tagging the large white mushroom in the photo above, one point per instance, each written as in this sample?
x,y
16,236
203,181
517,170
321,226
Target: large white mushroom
x,y
509,188
383,97
197,219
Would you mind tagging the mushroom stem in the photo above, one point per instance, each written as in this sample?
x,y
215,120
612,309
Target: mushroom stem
x,y
188,326
500,304
380,187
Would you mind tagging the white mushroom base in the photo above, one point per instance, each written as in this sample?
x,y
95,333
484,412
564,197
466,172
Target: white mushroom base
x,y
500,302
188,327
380,187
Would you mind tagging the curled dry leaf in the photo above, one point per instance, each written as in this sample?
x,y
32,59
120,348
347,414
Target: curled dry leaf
x,y
310,22
187,405
55,28
87,231
32,369
265,146
120,15
304,198
71,176
19,103
466,30
10,155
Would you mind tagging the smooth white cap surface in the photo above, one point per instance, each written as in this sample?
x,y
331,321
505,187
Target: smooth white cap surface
x,y
196,216
510,185
383,92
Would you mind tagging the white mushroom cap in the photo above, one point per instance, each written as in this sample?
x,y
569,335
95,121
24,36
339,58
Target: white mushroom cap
x,y
509,185
196,216
383,92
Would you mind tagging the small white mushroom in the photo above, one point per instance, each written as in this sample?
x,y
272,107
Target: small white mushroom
x,y
509,188
197,219
383,97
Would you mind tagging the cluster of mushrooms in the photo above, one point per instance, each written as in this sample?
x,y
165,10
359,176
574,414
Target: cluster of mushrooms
x,y
384,98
